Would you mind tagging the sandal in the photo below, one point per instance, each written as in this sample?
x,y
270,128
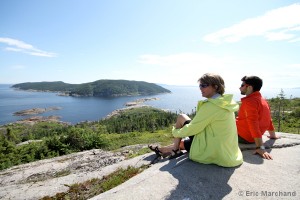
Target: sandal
x,y
157,151
176,154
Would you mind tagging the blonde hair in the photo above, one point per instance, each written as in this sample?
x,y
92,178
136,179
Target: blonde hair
x,y
213,80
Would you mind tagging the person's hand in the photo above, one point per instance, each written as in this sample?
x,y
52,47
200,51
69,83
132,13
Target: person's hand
x,y
263,154
273,135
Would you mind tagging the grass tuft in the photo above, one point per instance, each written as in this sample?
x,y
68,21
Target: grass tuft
x,y
95,186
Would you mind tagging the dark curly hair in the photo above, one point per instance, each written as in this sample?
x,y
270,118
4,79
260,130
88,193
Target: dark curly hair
x,y
254,81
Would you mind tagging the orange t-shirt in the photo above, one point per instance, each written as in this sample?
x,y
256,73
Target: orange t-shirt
x,y
254,117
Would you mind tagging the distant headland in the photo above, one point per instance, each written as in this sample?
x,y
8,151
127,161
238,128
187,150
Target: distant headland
x,y
100,88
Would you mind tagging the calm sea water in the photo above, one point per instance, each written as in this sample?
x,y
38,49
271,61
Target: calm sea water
x,y
77,109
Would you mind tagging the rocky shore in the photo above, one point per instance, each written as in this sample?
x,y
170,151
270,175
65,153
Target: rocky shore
x,y
131,105
120,111
140,101
35,111
36,119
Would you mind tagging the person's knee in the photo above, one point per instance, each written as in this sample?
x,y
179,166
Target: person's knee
x,y
181,145
181,119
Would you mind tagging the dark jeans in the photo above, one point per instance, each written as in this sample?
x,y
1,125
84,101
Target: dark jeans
x,y
243,141
188,142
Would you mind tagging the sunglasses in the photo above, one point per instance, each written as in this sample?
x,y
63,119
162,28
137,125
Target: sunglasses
x,y
203,85
243,85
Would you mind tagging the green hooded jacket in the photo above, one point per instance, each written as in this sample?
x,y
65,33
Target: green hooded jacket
x,y
215,133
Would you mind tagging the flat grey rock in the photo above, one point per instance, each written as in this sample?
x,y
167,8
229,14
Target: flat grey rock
x,y
286,140
184,179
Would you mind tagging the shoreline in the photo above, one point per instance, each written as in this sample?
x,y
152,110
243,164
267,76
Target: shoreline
x,y
181,99
138,103
70,94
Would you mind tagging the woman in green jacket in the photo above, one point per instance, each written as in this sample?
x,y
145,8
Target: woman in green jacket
x,y
212,132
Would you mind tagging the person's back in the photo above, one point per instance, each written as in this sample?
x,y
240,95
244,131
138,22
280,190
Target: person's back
x,y
254,117
253,108
217,142
265,118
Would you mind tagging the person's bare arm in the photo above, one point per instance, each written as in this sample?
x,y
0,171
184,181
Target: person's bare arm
x,y
262,152
273,135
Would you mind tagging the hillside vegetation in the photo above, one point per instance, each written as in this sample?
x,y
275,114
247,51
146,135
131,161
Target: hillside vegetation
x,y
285,113
100,88
138,126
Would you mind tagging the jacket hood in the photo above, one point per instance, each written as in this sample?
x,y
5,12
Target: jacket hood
x,y
226,102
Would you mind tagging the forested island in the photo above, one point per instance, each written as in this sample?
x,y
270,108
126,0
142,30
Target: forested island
x,y
100,88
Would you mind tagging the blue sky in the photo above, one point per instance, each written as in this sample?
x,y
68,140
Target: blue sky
x,y
160,41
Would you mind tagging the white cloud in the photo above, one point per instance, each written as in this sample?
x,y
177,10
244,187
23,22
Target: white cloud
x,y
294,66
295,40
189,60
13,49
20,46
186,68
279,36
279,24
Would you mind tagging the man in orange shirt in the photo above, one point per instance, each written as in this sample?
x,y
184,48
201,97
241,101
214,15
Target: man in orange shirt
x,y
254,117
